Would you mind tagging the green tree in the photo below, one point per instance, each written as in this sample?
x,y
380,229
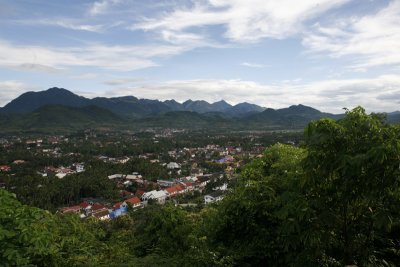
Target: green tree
x,y
25,235
258,223
352,182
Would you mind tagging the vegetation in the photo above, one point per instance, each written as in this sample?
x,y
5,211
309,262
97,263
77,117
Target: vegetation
x,y
59,110
334,201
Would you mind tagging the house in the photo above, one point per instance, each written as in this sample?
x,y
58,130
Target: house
x,y
189,186
124,193
171,191
61,175
19,161
203,180
102,215
5,168
118,212
116,176
118,205
213,197
98,211
226,159
80,167
177,189
72,209
159,196
173,166
181,188
165,183
139,193
84,205
62,172
134,201
127,183
134,176
223,187
123,160
97,207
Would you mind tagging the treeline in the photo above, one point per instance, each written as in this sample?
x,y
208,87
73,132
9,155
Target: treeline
x,y
334,201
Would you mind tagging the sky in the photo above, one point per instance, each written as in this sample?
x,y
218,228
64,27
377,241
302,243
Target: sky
x,y
328,54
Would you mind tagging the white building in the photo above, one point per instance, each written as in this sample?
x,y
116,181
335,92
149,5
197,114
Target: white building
x,y
80,167
160,196
173,165
213,197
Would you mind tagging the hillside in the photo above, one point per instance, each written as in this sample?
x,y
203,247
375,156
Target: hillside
x,y
31,101
59,118
125,106
185,119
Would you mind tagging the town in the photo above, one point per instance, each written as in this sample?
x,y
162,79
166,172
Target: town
x,y
103,174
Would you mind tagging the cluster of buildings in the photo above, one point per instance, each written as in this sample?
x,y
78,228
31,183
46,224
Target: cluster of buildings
x,y
61,172
166,190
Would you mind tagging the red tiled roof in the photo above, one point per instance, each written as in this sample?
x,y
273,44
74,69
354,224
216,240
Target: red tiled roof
x,y
117,205
84,205
139,193
125,193
133,200
5,168
101,214
187,184
97,206
179,187
171,189
70,209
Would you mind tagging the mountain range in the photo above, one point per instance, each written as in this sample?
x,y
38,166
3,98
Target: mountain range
x,y
58,109
127,106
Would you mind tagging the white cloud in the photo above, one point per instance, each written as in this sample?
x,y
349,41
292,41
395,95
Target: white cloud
x,y
102,6
123,81
373,39
37,68
252,65
80,27
11,89
326,95
118,57
85,76
245,21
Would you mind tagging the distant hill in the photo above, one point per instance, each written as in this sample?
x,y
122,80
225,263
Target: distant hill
x,y
52,118
243,109
58,108
31,101
127,106
296,116
393,117
185,119
173,105
199,106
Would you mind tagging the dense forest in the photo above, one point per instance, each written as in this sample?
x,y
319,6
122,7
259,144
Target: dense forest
x,y
333,201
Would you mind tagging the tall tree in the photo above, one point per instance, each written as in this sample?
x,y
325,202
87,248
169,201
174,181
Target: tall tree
x,y
352,182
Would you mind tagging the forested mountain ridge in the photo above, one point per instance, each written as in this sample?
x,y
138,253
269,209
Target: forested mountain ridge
x,y
332,202
29,112
58,117
127,106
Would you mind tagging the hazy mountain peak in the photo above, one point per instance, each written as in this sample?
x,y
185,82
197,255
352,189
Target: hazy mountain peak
x,y
30,101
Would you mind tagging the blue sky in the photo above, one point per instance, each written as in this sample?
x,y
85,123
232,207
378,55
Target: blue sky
x,y
328,54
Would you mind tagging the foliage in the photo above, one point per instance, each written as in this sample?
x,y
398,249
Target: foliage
x,y
25,238
333,202
352,181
